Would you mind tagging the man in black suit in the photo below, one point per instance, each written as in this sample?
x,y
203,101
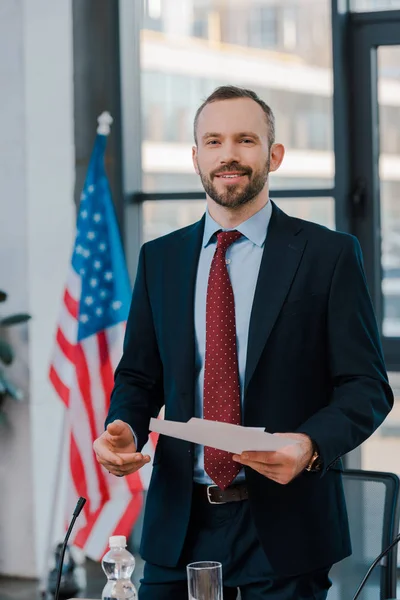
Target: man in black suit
x,y
254,317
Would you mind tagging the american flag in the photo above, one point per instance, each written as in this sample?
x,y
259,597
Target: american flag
x,y
88,347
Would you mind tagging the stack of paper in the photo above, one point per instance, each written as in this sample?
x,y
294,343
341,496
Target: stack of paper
x,y
223,436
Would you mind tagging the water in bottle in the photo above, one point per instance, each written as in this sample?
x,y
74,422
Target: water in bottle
x,y
118,564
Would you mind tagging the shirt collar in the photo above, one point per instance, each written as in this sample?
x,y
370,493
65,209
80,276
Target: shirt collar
x,y
254,229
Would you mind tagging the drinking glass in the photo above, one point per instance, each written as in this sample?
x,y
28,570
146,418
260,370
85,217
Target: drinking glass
x,y
204,580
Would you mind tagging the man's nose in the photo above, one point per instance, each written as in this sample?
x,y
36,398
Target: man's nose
x,y
229,153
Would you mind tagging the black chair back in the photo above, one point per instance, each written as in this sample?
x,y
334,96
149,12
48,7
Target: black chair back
x,y
373,505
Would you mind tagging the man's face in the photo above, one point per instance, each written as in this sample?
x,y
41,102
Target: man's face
x,y
232,155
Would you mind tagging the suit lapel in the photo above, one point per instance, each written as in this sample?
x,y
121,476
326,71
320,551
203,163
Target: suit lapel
x,y
281,257
180,279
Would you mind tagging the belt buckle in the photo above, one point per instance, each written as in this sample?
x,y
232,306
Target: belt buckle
x,y
209,495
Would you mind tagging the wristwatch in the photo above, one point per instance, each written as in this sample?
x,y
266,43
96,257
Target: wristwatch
x,y
315,463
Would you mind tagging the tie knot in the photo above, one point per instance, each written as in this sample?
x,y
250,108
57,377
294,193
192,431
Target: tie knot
x,y
226,238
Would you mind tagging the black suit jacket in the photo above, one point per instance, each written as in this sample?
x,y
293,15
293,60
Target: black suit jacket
x,y
314,365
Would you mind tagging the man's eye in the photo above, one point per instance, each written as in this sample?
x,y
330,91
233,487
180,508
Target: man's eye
x,y
212,142
246,140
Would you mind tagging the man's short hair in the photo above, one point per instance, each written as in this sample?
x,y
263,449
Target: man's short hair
x,y
230,92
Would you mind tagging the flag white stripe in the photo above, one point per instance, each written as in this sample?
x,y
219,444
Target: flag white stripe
x,y
106,523
146,470
63,367
68,325
115,338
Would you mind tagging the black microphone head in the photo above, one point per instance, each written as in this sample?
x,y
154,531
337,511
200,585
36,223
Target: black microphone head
x,y
79,505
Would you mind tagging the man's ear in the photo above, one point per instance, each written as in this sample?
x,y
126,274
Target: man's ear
x,y
277,153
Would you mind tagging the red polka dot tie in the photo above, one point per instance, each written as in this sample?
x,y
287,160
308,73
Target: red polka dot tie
x,y
221,376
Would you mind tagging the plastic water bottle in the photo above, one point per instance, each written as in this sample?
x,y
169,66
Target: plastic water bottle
x,y
118,564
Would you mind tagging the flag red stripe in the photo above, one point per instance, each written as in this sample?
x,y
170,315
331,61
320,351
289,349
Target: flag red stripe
x,y
134,482
83,377
71,304
154,437
78,473
60,387
67,348
106,370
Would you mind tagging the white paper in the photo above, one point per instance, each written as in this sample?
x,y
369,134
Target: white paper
x,y
223,436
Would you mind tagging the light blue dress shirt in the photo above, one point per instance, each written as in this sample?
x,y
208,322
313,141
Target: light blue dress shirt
x,y
243,263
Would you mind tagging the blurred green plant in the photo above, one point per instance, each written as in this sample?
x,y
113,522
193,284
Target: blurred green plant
x,y
7,388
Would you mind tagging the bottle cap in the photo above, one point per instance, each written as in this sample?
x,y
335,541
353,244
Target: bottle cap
x,y
117,541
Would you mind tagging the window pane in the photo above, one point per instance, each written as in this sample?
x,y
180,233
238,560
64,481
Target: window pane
x,y
389,113
367,5
317,210
162,217
280,50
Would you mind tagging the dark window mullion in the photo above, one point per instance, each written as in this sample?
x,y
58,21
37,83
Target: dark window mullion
x,y
301,194
140,197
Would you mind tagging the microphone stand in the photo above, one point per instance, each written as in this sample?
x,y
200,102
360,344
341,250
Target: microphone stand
x,y
80,504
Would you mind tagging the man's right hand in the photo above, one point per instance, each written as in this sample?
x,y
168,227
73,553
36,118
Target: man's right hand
x,y
115,449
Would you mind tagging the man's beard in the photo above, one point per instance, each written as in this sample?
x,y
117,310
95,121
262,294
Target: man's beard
x,y
235,195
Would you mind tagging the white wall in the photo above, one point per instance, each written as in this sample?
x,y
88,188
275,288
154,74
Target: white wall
x,y
16,512
36,234
51,224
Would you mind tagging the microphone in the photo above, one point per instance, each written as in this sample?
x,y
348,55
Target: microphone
x,y
376,561
79,505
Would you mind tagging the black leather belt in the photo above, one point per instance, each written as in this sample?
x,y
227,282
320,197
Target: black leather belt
x,y
214,494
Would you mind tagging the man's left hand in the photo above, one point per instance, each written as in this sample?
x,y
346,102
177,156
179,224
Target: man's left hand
x,y
281,465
